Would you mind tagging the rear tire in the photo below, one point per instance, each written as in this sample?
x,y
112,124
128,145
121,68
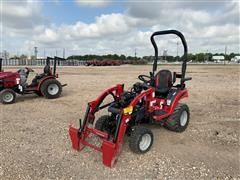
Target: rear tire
x,y
141,139
51,89
7,96
179,120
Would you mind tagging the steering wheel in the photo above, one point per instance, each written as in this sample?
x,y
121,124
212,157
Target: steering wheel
x,y
143,78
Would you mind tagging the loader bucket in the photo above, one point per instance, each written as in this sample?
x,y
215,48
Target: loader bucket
x,y
75,139
108,153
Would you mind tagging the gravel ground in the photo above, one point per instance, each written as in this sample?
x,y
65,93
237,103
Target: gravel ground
x,y
35,143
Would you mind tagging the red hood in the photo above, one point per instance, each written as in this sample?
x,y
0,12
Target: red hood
x,y
8,74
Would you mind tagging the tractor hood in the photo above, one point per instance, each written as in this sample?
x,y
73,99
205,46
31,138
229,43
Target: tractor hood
x,y
4,75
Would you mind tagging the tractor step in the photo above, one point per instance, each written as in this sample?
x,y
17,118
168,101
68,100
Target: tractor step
x,y
158,115
159,112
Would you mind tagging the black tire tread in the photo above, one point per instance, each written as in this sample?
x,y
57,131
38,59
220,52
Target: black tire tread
x,y
172,123
99,125
135,138
9,90
45,85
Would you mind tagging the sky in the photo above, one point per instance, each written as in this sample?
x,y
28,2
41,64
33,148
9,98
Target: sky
x,y
122,27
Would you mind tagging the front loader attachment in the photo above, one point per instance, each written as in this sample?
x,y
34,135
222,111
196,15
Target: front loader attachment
x,y
75,139
108,149
109,146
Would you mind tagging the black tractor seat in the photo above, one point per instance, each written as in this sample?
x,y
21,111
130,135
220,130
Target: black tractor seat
x,y
163,82
46,72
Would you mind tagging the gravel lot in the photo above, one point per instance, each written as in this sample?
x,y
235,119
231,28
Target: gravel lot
x,y
35,143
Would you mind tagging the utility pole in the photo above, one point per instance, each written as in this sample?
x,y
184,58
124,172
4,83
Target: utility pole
x,y
207,59
44,53
135,53
35,52
165,54
4,54
64,53
225,54
177,50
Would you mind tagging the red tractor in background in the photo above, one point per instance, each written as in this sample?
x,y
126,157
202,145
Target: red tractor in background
x,y
44,84
105,62
154,100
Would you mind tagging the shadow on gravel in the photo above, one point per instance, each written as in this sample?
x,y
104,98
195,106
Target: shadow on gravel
x,y
27,97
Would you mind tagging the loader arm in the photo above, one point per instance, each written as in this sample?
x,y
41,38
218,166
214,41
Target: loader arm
x,y
108,147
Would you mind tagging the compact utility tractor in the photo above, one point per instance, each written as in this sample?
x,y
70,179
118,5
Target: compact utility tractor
x,y
44,84
154,100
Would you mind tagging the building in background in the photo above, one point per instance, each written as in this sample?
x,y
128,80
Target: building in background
x,y
236,59
218,59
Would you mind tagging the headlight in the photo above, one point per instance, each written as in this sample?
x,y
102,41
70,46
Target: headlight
x,y
128,110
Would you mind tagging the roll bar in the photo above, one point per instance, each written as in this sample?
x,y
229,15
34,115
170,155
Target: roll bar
x,y
54,63
0,64
184,43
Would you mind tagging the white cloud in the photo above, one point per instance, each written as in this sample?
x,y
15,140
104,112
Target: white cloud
x,y
206,25
105,25
20,20
205,28
93,3
49,36
21,14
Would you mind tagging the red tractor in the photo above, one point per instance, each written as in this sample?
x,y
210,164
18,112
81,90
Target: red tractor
x,y
45,84
154,100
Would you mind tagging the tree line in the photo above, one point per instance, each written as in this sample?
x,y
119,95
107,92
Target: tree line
x,y
102,57
198,57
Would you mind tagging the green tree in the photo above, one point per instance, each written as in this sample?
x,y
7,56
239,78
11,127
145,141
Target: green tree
x,y
23,56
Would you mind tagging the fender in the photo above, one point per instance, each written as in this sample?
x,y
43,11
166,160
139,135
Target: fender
x,y
180,95
43,80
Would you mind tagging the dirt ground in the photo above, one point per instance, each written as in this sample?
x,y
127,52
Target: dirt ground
x,y
35,143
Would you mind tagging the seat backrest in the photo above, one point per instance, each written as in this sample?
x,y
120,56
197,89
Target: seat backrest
x,y
163,81
47,70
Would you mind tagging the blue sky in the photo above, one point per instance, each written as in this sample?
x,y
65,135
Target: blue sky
x,y
107,26
65,12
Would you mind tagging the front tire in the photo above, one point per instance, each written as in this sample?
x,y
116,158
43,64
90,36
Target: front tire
x,y
102,122
141,139
179,120
51,89
7,96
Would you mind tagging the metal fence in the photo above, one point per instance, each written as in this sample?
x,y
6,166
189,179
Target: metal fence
x,y
39,62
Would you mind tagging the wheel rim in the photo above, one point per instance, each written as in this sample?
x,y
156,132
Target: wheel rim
x,y
145,142
8,97
183,118
53,89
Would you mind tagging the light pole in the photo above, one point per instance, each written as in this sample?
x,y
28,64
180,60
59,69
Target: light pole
x,y
35,52
225,54
177,50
